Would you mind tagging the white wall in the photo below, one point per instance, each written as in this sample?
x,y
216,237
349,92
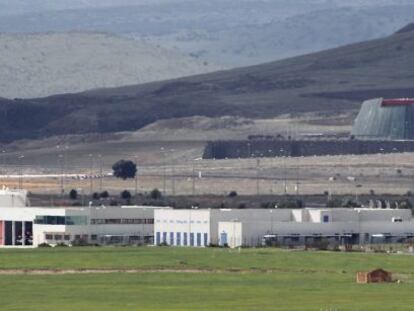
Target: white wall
x,y
181,222
233,233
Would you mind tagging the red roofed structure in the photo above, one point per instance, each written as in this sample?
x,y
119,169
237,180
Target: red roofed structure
x,y
397,102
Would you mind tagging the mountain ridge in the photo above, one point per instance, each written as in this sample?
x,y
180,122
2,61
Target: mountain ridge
x,y
328,82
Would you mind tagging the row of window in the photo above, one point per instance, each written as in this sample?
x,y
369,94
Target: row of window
x,y
178,221
61,220
182,238
82,220
68,237
122,221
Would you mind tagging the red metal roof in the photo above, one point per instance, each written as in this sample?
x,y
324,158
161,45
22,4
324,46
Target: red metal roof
x,y
398,102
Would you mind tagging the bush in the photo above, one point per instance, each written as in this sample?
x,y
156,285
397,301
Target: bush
x,y
405,204
232,194
104,194
242,205
124,169
80,242
95,196
42,245
73,194
155,194
126,195
61,244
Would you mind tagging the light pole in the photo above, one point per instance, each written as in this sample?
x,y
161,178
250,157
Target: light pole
x,y
172,175
193,190
90,174
164,172
284,171
100,172
136,175
20,171
3,160
257,176
60,157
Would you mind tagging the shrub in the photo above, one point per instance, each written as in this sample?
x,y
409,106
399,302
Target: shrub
x,y
155,194
232,194
95,196
61,244
242,205
124,169
73,194
104,194
126,195
42,245
80,242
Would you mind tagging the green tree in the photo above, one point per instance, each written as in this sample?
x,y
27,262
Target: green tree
x,y
73,194
124,169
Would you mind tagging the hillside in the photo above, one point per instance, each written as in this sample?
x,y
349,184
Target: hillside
x,y
232,33
329,82
36,65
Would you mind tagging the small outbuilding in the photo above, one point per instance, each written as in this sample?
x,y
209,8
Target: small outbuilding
x,y
375,276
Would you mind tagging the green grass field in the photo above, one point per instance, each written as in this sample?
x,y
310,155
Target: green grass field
x,y
254,279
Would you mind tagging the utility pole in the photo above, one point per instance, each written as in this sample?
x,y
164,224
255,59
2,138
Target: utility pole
x,y
60,157
164,172
20,171
3,161
91,174
136,176
172,175
257,176
100,173
193,180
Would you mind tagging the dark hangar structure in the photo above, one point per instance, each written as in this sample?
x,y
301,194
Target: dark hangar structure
x,y
381,126
385,119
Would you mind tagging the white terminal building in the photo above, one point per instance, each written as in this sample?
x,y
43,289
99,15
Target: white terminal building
x,y
22,225
256,227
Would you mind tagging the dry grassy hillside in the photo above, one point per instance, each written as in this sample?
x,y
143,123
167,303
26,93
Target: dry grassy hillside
x,y
37,65
331,82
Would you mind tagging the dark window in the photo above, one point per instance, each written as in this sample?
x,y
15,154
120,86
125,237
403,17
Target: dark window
x,y
122,221
94,237
185,239
171,238
198,239
191,239
205,239
66,237
325,218
158,238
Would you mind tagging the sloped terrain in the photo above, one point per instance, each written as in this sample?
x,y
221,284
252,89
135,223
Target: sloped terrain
x,y
329,82
232,33
36,65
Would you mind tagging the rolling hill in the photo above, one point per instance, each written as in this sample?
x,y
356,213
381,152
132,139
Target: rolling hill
x,y
37,65
233,33
328,82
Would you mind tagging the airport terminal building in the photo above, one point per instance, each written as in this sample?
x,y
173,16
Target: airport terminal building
x,y
25,226
258,227
21,225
